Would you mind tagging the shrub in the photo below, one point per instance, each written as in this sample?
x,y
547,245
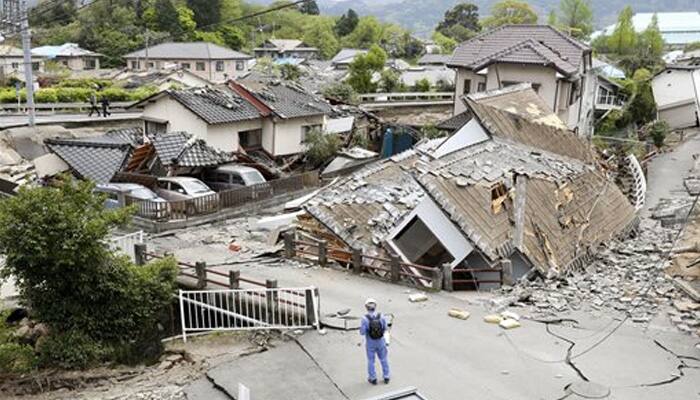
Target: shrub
x,y
16,358
341,91
142,92
115,94
73,95
84,83
422,85
658,132
10,96
321,147
70,350
46,96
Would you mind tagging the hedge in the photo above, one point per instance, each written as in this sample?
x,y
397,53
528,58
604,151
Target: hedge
x,y
76,94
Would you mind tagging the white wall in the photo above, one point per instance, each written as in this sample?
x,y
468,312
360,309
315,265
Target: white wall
x,y
268,135
225,136
287,138
544,76
179,118
461,75
209,73
673,87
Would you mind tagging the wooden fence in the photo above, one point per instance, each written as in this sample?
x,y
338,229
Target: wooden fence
x,y
184,209
391,268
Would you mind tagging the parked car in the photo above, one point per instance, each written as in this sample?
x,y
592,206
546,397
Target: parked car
x,y
123,194
232,176
191,195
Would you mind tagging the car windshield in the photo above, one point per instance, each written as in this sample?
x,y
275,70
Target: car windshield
x,y
252,177
194,187
143,194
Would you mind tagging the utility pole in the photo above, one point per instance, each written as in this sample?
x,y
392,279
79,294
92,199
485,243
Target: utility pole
x,y
14,19
28,65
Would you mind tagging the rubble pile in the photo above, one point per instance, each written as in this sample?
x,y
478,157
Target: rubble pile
x,y
626,276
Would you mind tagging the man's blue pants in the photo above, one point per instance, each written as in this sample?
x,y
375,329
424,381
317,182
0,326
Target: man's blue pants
x,y
379,349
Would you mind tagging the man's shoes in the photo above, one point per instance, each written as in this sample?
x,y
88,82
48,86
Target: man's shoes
x,y
372,381
386,380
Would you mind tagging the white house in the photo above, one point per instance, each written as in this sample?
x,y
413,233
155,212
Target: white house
x,y
676,92
12,62
70,55
272,117
556,65
209,61
286,48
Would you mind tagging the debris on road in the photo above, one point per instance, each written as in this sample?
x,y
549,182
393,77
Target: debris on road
x,y
417,297
459,314
493,319
508,323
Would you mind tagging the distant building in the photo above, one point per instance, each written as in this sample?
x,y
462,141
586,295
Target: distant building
x,y
12,62
434,59
677,28
345,57
210,61
676,95
70,55
286,48
556,65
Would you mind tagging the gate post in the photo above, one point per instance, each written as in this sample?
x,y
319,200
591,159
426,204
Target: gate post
x,y
271,300
322,253
356,261
140,253
437,279
201,271
234,279
447,277
309,307
289,250
506,273
182,317
395,273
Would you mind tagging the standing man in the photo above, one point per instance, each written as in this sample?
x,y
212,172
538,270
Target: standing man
x,y
373,327
93,105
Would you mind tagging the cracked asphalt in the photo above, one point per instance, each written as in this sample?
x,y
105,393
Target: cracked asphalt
x,y
447,358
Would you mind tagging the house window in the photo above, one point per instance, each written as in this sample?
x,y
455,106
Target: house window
x,y
481,87
306,129
240,65
35,66
219,66
135,65
185,65
200,66
467,86
250,139
151,65
153,127
15,65
90,63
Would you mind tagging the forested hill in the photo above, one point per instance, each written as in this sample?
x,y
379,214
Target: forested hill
x,y
421,16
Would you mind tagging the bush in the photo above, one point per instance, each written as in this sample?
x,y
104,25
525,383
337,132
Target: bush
x,y
46,96
321,147
115,94
142,92
84,83
658,132
70,350
17,358
341,91
422,85
73,95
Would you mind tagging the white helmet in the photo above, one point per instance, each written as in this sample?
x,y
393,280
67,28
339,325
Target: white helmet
x,y
370,301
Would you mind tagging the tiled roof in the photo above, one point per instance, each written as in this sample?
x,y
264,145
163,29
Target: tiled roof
x,y
522,44
132,135
455,122
97,159
346,56
215,106
287,100
434,59
185,150
189,50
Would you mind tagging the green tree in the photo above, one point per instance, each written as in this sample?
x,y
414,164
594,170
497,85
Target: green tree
x,y
422,85
340,91
552,18
321,147
55,244
290,72
347,23
651,44
576,17
447,44
206,12
510,12
232,36
389,81
309,7
367,32
363,68
166,17
185,17
624,38
641,107
460,22
320,35
51,13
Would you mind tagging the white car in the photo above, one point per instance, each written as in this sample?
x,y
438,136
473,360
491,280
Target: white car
x,y
187,194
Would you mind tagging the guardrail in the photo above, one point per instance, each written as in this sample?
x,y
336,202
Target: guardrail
x,y
403,97
391,268
118,106
185,209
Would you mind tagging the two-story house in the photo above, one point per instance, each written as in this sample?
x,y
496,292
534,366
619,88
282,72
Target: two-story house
x,y
556,65
286,48
274,117
207,60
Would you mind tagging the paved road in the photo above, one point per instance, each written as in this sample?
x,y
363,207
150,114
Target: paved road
x,y
12,121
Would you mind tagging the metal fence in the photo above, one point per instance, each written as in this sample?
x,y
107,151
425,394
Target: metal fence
x,y
249,309
184,209
127,243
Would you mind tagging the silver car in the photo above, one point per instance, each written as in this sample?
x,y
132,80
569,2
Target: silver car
x,y
149,204
232,176
187,195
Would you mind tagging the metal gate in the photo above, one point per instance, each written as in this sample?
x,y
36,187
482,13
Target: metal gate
x,y
249,309
126,243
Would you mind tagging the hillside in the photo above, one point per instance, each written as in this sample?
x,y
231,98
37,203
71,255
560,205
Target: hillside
x,y
421,16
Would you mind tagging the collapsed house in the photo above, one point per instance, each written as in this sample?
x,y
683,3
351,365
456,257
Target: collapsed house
x,y
511,191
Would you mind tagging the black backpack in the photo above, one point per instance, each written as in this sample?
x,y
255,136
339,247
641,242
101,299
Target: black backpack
x,y
376,328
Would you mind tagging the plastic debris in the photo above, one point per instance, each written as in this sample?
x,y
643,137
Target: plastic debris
x,y
459,314
417,297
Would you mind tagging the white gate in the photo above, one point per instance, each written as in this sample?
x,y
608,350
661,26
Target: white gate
x,y
249,309
126,243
